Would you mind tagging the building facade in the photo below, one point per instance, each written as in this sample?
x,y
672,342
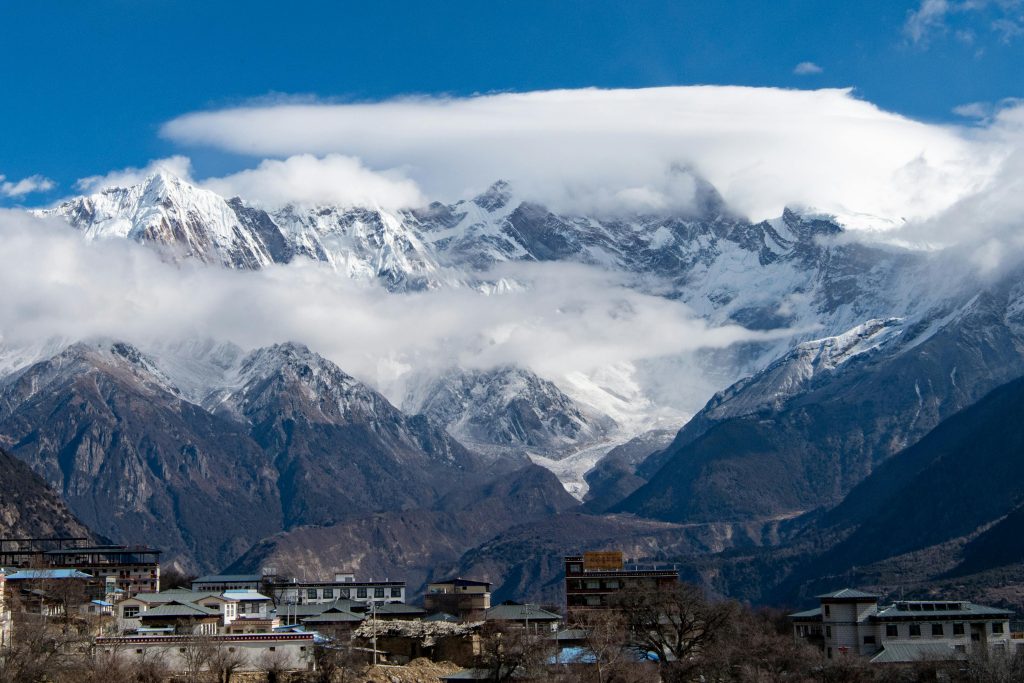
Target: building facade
x,y
593,578
344,587
465,599
851,622
131,569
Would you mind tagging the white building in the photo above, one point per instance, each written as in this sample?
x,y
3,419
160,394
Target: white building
x,y
343,587
850,622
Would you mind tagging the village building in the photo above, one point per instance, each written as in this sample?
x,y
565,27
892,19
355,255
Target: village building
x,y
218,583
593,578
529,617
131,569
851,622
344,586
466,599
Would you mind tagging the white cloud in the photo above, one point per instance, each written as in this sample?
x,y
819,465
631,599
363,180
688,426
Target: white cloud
x,y
1005,18
178,165
584,150
20,188
566,318
807,69
984,228
333,179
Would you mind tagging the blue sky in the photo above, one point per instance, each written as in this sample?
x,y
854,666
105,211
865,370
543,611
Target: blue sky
x,y
86,86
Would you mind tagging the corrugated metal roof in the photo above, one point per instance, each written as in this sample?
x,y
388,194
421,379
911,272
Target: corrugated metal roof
x,y
179,609
806,614
968,610
916,652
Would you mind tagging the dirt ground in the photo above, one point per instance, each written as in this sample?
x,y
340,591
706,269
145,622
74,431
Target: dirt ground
x,y
417,671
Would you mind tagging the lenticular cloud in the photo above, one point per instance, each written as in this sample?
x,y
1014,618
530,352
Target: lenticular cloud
x,y
595,150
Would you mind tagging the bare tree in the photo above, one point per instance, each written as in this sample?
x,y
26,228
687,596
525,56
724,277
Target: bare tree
x,y
224,661
274,664
607,656
677,623
512,652
195,653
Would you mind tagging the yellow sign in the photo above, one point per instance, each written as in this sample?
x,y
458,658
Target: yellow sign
x,y
603,560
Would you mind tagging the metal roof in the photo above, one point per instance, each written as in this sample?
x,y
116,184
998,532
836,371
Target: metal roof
x,y
38,574
459,581
807,614
249,595
967,610
228,578
520,613
916,652
848,594
179,609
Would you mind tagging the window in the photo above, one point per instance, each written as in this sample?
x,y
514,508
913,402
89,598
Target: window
x,y
830,653
937,630
378,592
828,611
828,631
311,593
272,648
958,629
960,648
593,585
396,592
892,631
915,630
328,594
129,612
360,592
613,584
997,627
138,651
869,640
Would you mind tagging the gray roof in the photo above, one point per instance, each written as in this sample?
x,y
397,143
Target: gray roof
x,y
520,613
848,594
916,652
807,614
228,578
334,616
442,616
916,610
310,610
179,609
396,608
176,595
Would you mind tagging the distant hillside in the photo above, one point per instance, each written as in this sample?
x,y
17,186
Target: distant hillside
x,y
30,508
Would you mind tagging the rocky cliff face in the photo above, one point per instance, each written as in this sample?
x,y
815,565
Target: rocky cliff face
x,y
31,509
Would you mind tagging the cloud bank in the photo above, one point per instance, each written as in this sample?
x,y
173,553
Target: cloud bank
x,y
306,179
567,317
762,148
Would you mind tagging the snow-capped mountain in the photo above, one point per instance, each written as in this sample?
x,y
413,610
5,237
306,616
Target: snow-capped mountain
x,y
508,410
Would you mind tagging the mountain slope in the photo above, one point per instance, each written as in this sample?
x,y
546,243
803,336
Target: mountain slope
x,y
31,509
508,410
807,438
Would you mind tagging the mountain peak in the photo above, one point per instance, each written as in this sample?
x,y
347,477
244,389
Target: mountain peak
x,y
495,197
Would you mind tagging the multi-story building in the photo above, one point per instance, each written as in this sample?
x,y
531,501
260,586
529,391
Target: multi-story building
x,y
343,587
591,579
133,569
851,622
466,599
218,583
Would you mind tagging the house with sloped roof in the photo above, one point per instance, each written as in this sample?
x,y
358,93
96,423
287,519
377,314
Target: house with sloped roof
x,y
530,617
185,618
849,622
